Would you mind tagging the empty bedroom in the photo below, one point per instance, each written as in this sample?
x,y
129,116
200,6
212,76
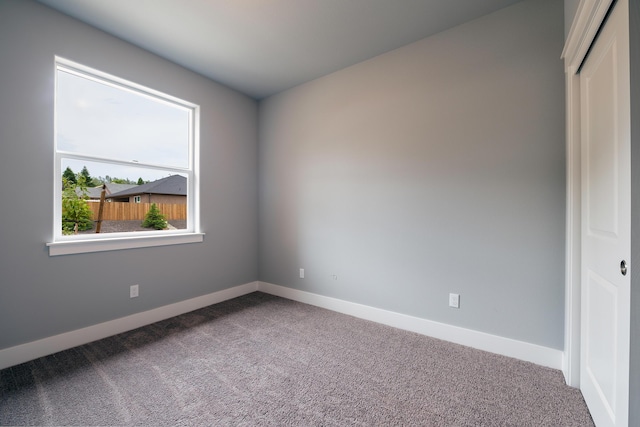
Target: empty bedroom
x,y
317,212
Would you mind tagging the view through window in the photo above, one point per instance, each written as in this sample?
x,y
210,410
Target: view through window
x,y
124,157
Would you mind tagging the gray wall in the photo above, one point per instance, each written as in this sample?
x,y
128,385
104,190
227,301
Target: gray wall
x,y
438,167
634,373
570,9
42,296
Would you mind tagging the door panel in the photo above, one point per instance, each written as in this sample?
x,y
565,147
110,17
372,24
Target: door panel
x,y
602,200
602,311
606,219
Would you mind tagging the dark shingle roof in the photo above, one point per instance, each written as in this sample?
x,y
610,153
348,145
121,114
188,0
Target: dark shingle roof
x,y
94,192
174,185
112,188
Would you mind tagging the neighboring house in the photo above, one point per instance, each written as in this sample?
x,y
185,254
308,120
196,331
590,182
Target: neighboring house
x,y
94,192
172,190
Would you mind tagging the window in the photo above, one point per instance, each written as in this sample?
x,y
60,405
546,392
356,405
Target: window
x,y
121,151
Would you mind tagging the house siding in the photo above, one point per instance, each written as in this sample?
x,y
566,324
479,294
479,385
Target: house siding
x,y
160,198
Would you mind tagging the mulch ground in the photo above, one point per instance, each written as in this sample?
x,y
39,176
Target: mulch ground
x,y
126,226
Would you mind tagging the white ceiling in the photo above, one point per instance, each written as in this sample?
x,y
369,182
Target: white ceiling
x,y
261,47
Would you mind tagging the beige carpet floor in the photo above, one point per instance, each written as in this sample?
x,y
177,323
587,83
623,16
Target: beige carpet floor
x,y
262,360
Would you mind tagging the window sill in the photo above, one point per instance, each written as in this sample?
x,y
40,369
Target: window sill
x,y
118,243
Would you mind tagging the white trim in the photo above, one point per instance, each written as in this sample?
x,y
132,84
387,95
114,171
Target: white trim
x,y
585,26
540,355
480,340
571,357
130,242
86,72
24,352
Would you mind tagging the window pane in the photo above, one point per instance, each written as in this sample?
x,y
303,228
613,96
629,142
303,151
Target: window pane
x,y
130,193
137,142
100,120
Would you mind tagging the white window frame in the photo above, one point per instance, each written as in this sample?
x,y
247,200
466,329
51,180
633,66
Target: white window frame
x,y
137,199
64,245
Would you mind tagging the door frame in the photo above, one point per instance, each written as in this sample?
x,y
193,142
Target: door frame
x,y
584,29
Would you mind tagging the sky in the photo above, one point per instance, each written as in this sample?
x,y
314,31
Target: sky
x,y
119,125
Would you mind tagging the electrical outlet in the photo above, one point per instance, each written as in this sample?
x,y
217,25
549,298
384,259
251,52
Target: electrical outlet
x,y
302,273
454,300
134,291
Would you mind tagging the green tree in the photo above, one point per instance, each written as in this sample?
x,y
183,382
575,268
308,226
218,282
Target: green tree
x,y
68,177
101,180
154,219
87,177
122,181
76,214
140,181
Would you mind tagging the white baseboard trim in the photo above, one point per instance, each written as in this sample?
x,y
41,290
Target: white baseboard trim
x,y
534,353
32,350
505,346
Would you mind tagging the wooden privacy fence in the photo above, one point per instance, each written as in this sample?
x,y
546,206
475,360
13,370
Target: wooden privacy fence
x,y
119,211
